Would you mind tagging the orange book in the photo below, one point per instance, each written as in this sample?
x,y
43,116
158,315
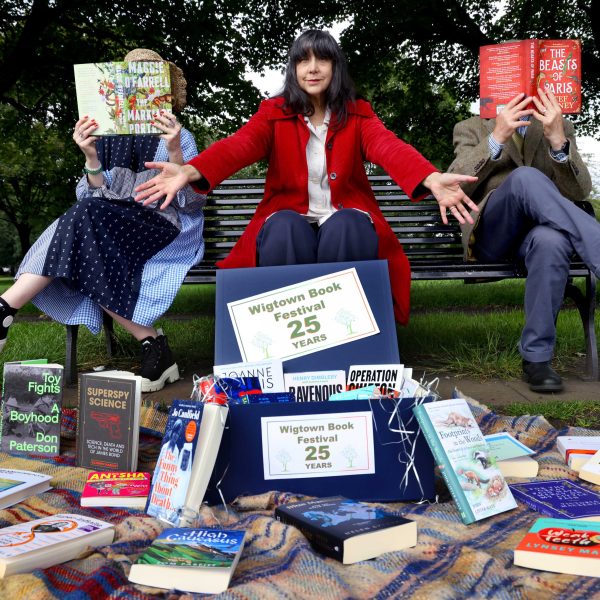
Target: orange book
x,y
510,68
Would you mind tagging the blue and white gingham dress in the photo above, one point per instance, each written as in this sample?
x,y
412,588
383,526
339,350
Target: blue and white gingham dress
x,y
69,300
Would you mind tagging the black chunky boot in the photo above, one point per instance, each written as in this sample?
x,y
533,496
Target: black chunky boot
x,y
158,365
7,315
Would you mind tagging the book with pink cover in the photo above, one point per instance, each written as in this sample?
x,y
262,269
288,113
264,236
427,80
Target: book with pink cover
x,y
124,488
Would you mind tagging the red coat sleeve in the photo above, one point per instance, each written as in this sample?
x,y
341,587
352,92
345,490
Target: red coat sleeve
x,y
249,144
405,165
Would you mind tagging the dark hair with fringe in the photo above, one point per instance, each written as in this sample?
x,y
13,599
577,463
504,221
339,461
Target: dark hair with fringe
x,y
340,90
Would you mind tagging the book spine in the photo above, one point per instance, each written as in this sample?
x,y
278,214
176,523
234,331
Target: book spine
x,y
531,58
441,459
327,544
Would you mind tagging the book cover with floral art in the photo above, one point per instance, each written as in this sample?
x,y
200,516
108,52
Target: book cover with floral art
x,y
123,96
465,459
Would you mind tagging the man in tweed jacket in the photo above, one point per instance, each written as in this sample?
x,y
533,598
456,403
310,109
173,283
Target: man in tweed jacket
x,y
529,171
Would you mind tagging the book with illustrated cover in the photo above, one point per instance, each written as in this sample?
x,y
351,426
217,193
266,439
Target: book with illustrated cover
x,y
123,96
31,407
387,378
559,498
315,386
126,489
190,560
464,458
18,485
561,546
50,541
522,66
348,530
108,424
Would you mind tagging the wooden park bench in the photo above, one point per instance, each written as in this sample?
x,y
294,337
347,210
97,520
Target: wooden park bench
x,y
434,250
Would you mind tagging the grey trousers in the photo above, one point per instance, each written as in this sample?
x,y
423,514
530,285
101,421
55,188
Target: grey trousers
x,y
527,218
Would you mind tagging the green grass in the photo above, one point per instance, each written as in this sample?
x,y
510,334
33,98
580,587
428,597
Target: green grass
x,y
578,414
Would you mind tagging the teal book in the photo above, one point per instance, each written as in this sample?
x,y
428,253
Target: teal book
x,y
464,459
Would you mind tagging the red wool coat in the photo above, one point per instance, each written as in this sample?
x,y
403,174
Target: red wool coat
x,y
281,138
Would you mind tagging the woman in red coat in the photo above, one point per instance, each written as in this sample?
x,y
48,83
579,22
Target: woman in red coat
x,y
318,205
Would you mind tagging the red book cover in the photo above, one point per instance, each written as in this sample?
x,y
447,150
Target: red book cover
x,y
123,488
511,68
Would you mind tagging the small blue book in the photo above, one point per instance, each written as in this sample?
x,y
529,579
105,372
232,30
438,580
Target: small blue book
x,y
559,498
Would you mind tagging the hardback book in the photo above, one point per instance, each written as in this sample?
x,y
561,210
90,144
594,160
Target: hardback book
x,y
559,498
510,68
173,470
126,489
388,378
577,449
512,457
190,560
348,530
590,470
50,541
269,373
18,485
108,424
315,386
31,407
123,96
457,444
561,546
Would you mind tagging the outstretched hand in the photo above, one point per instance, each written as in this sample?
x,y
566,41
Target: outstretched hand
x,y
166,184
447,191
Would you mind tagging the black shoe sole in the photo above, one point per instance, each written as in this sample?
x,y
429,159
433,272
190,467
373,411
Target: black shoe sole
x,y
544,387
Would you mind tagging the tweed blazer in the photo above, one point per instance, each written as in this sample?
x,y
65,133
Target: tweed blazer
x,y
472,152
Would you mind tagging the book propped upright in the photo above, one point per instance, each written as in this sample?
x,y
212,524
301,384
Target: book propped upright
x,y
123,96
522,66
347,530
465,459
31,407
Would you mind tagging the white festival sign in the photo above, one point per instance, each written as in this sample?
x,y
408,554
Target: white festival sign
x,y
318,445
303,318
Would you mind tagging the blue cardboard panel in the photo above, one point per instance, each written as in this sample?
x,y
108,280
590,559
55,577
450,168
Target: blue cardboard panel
x,y
239,467
236,284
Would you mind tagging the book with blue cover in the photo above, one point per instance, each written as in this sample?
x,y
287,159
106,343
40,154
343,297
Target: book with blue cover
x,y
559,498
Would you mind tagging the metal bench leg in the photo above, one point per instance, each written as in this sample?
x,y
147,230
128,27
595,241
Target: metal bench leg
x,y
71,354
109,334
586,304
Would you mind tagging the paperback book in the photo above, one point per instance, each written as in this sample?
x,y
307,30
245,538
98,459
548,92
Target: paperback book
x,y
108,425
126,489
123,96
31,407
190,560
18,485
561,546
347,530
388,378
50,541
559,498
522,66
590,471
512,457
464,458
269,373
315,386
577,449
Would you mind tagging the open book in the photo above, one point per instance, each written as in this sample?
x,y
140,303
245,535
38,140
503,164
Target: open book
x,y
123,96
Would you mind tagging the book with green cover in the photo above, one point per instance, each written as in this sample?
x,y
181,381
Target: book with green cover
x,y
190,560
459,448
123,96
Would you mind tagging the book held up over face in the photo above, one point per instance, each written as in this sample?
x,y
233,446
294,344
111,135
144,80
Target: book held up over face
x,y
190,560
559,498
561,546
522,66
123,96
108,425
18,485
126,489
50,541
348,530
465,459
31,407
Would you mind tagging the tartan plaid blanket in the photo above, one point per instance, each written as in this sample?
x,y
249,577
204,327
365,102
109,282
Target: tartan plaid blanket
x,y
451,560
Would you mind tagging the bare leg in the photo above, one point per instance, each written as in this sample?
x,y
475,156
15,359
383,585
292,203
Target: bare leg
x,y
139,332
25,288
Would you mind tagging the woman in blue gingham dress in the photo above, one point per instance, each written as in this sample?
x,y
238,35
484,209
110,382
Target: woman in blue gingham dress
x,y
108,252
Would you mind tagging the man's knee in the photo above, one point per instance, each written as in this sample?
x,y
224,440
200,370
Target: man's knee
x,y
548,244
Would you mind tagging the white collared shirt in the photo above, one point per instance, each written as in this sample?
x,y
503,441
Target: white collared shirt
x,y
319,192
